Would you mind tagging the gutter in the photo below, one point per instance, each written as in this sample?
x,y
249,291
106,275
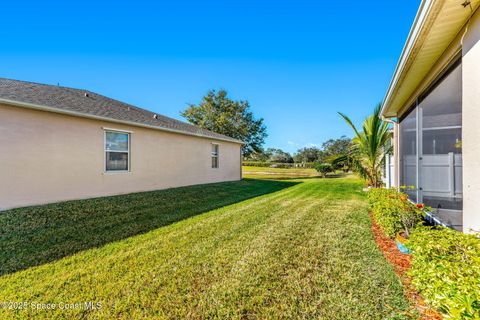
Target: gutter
x,y
90,116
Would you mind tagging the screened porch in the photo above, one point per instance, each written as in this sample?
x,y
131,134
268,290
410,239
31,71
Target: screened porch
x,y
431,149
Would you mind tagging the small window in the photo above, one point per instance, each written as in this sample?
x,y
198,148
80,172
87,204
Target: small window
x,y
117,151
215,149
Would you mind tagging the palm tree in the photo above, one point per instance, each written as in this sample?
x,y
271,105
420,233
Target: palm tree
x,y
370,145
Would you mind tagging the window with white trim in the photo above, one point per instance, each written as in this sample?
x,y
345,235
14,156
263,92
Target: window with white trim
x,y
215,154
117,151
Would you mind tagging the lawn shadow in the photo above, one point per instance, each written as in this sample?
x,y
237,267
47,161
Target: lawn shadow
x,y
36,235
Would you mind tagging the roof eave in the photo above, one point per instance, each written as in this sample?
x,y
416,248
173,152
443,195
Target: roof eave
x,y
419,22
436,26
107,119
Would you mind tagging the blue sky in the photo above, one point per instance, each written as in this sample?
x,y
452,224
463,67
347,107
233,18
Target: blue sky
x,y
297,62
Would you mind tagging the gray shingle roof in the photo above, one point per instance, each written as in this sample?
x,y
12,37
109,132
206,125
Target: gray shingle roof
x,y
92,104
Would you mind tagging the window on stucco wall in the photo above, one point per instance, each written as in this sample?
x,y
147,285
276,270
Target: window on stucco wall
x,y
215,154
117,151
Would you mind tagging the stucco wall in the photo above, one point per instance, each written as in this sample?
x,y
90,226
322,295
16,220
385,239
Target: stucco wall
x,y
471,126
47,157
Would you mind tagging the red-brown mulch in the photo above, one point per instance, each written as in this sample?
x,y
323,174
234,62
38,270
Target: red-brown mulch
x,y
401,263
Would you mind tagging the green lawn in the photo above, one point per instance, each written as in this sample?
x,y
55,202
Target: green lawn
x,y
36,235
267,173
246,250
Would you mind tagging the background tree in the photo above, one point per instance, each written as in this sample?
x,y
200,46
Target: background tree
x,y
260,156
310,154
370,145
218,113
336,147
278,155
336,153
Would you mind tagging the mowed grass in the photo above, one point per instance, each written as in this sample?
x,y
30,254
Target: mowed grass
x,y
302,251
36,235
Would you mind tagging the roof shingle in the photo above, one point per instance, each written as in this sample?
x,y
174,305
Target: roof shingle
x,y
92,104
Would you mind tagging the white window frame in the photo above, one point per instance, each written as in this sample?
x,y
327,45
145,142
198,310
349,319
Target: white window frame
x,y
129,133
215,155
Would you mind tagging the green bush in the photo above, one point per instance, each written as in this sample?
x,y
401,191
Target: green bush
x,y
324,168
256,164
446,263
393,212
446,271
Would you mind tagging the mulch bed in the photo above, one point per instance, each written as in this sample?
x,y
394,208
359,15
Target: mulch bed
x,y
401,263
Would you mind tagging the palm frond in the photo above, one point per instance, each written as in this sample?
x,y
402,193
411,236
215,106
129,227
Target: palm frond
x,y
370,145
347,119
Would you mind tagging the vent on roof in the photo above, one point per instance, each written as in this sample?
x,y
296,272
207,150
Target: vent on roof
x,y
86,94
155,116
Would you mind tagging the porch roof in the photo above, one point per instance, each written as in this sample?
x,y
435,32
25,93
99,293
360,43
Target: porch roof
x,y
436,25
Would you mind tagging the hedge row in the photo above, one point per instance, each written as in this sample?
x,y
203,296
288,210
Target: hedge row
x,y
446,271
393,212
446,263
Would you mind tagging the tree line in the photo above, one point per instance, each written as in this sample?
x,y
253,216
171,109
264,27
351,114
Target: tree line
x,y
365,153
329,151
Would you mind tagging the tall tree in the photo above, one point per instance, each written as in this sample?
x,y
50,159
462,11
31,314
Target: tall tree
x,y
334,147
370,145
261,156
278,155
218,113
309,154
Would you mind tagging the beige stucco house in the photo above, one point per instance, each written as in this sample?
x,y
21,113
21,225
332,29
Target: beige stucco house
x,y
434,101
60,143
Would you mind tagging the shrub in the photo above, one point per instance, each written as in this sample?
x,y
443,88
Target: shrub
x,y
446,271
446,263
256,164
324,168
393,212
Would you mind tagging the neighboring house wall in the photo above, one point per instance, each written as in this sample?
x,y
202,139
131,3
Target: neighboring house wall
x,y
471,125
47,157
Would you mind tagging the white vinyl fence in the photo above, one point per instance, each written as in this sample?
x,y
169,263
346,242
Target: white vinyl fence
x,y
389,171
440,175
